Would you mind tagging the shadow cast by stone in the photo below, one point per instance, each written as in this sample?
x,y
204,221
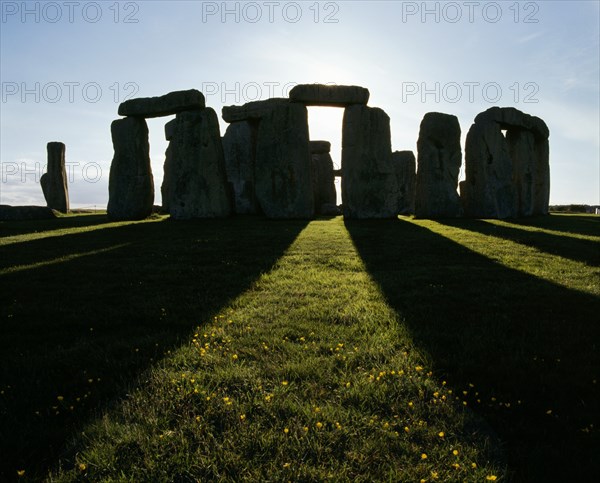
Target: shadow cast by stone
x,y
23,228
585,251
76,334
496,334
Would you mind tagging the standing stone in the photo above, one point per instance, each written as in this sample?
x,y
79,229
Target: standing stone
x,y
239,149
283,183
130,185
323,178
439,160
488,190
369,184
405,166
54,181
195,168
170,129
506,176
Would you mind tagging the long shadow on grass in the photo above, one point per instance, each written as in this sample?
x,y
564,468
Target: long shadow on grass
x,y
576,249
517,345
576,224
12,228
76,334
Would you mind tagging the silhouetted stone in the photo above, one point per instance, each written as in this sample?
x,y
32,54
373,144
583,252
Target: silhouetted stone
x,y
54,181
169,104
170,129
130,185
439,160
369,185
323,181
329,95
21,213
330,209
405,166
195,168
320,147
255,110
239,149
506,176
283,183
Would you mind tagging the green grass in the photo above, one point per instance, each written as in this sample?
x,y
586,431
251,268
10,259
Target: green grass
x,y
270,351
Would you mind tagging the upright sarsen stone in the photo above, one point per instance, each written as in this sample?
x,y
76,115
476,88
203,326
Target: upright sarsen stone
x,y
283,184
507,165
323,177
130,185
239,149
405,166
439,158
195,168
369,184
489,190
54,181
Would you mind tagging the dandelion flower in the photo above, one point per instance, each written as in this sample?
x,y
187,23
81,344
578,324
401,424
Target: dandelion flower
x,y
441,434
319,424
284,383
242,417
82,466
234,357
423,456
491,478
20,472
455,452
286,430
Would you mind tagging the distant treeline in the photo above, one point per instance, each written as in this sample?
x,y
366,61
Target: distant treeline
x,y
575,208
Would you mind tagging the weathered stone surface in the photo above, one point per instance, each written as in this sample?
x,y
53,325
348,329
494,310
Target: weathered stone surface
x,y
252,110
196,184
130,185
283,163
506,176
330,209
510,117
369,185
19,213
320,147
170,129
323,180
489,190
439,159
167,105
239,149
405,166
54,181
329,95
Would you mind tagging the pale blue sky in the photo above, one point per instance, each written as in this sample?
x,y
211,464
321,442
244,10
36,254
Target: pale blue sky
x,y
415,57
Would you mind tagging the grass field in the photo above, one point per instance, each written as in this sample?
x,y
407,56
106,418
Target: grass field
x,y
403,350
